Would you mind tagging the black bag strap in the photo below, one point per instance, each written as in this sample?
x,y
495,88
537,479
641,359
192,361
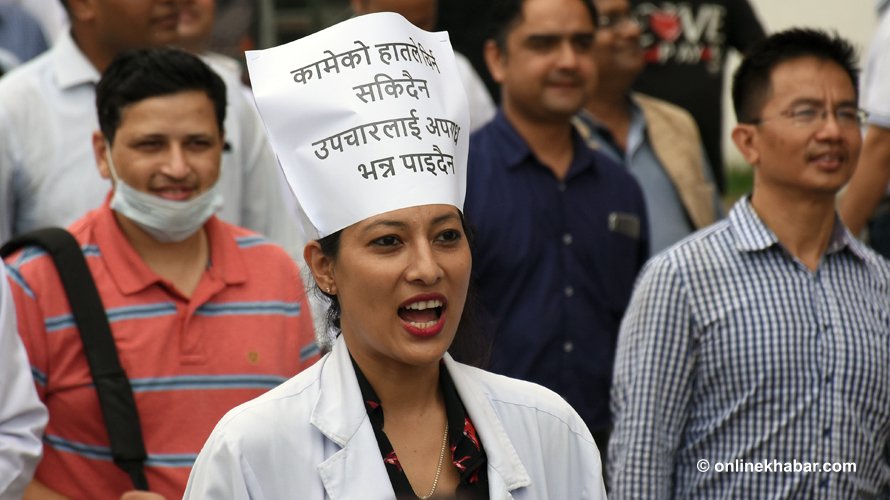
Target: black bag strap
x,y
113,386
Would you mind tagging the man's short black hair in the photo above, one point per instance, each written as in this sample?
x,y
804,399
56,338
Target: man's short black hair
x,y
751,82
504,15
138,74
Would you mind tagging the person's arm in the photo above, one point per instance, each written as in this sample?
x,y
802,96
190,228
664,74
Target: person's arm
x,y
38,491
652,385
141,495
22,416
869,183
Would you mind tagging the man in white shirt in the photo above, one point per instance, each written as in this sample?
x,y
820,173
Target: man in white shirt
x,y
47,115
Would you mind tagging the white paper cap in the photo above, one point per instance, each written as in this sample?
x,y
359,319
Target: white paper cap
x,y
366,117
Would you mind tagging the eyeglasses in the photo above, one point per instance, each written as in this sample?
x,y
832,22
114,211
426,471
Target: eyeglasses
x,y
811,116
606,21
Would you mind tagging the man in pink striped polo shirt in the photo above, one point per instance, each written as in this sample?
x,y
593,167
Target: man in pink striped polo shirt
x,y
205,315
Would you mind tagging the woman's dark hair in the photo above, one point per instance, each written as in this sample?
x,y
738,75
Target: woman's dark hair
x,y
330,247
469,345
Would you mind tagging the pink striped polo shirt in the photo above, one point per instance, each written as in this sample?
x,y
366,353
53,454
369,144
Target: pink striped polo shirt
x,y
245,329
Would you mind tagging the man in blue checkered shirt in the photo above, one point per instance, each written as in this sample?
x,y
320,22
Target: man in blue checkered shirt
x,y
754,358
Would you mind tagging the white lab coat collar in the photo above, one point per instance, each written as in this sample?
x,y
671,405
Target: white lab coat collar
x,y
340,415
356,469
70,65
505,470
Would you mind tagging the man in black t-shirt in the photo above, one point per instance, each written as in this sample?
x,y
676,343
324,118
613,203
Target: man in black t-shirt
x,y
686,45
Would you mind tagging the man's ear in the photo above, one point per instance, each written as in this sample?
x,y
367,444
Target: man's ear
x,y
321,266
494,59
100,151
744,135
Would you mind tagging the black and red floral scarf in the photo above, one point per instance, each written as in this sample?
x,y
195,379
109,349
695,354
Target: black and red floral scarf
x,y
467,452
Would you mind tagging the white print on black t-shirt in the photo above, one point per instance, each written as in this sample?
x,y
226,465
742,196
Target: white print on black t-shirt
x,y
674,32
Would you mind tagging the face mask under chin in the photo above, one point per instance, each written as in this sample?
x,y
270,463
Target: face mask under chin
x,y
165,220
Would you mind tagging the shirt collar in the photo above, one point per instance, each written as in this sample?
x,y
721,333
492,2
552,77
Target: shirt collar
x,y
338,412
513,147
132,275
514,150
752,234
71,66
637,132
593,131
339,415
502,456
596,133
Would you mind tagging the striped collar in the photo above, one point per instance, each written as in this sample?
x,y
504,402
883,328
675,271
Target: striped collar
x,y
132,275
752,234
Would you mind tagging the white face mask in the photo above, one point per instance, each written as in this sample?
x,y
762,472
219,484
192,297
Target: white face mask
x,y
165,220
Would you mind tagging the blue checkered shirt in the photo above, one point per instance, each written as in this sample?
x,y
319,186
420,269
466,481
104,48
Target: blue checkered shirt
x,y
733,351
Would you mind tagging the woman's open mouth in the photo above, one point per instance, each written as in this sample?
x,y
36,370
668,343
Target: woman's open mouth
x,y
423,316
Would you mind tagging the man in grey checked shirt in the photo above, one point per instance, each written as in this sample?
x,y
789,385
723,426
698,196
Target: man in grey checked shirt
x,y
755,354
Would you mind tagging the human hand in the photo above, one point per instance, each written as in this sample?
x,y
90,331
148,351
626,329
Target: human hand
x,y
141,495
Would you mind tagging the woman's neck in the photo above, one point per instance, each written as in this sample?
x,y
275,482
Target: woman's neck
x,y
414,420
404,390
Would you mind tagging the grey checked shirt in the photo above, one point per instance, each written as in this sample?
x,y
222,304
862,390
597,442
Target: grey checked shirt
x,y
732,351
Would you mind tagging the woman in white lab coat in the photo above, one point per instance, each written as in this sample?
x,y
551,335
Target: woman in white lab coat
x,y
395,263
312,437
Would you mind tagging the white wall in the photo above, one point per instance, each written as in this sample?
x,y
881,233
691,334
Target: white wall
x,y
852,19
